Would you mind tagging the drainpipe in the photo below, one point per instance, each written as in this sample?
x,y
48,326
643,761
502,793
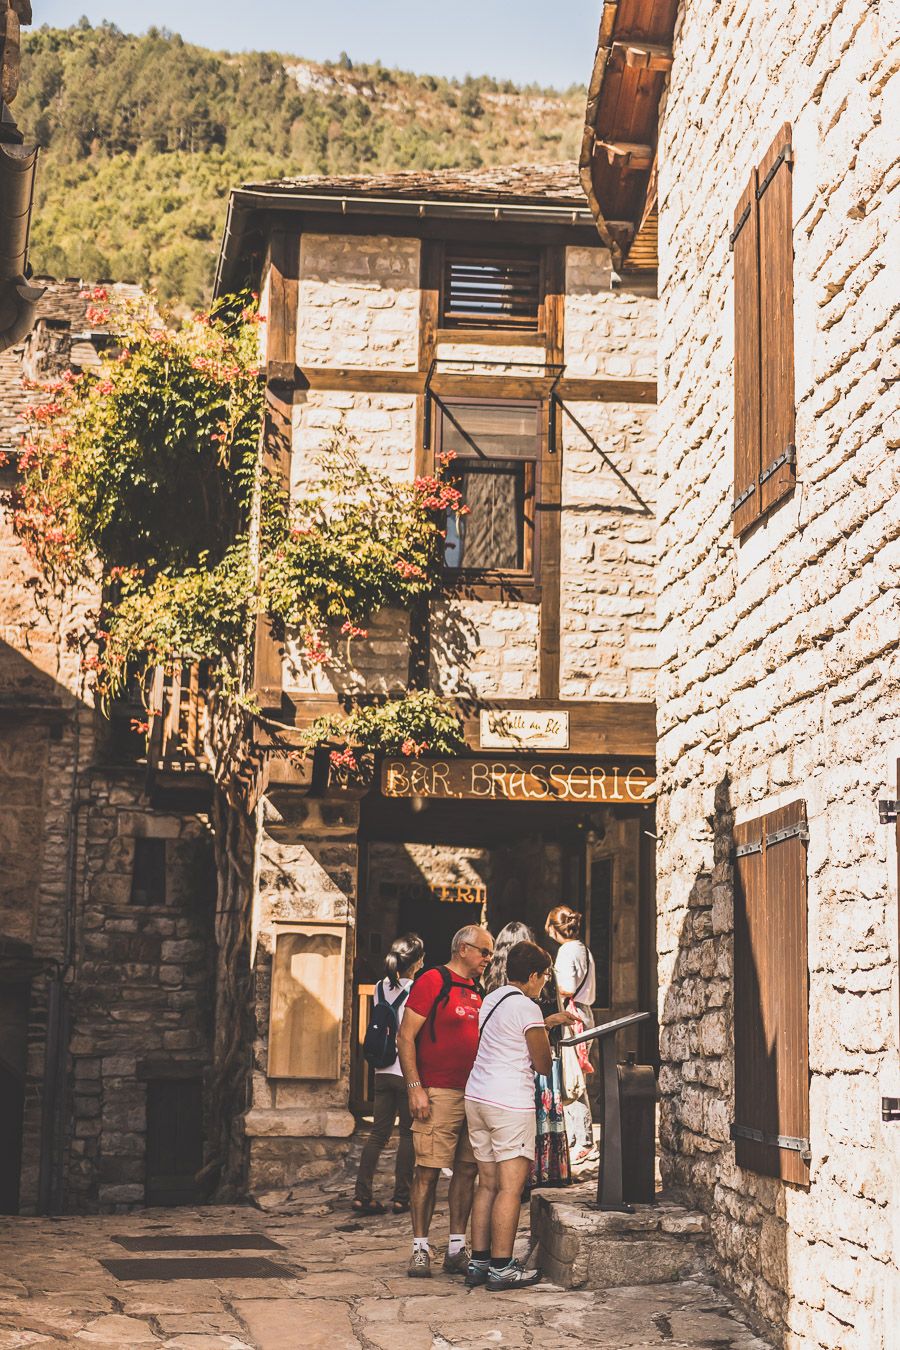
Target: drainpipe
x,y
18,164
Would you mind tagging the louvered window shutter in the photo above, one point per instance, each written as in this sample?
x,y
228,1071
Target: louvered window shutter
x,y
745,243
776,310
771,996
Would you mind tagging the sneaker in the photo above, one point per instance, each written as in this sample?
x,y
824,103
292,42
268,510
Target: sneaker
x,y
457,1264
513,1276
477,1274
419,1267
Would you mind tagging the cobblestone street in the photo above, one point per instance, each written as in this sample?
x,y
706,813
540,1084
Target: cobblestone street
x,y
338,1282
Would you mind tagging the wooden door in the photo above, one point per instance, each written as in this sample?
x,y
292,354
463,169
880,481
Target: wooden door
x,y
174,1141
362,1076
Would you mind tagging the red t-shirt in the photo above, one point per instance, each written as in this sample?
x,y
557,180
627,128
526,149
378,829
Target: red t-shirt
x,y
446,1061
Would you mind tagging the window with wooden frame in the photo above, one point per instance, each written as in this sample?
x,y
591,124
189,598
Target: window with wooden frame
x,y
497,449
771,996
491,287
762,242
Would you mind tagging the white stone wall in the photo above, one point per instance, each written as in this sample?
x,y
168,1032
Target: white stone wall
x,y
359,306
779,654
607,602
358,301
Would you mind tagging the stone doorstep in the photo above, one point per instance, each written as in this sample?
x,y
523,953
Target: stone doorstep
x,y
580,1247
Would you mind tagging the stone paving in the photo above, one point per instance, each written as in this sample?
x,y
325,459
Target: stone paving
x,y
345,1288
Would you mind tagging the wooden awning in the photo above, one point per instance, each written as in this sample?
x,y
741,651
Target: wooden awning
x,y
618,151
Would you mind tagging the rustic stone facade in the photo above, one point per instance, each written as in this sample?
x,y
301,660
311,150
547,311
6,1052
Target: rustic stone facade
x,y
101,992
779,652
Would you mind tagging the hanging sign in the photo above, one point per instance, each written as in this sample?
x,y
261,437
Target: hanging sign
x,y
523,729
520,780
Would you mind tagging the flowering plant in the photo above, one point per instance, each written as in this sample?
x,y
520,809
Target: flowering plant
x,y
419,723
360,542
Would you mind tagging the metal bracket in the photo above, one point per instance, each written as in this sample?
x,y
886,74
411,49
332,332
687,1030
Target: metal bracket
x,y
789,457
786,1141
790,832
745,496
887,811
741,222
742,850
786,157
890,1108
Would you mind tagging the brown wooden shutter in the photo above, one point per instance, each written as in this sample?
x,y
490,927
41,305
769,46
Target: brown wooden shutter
x,y
771,996
745,242
776,309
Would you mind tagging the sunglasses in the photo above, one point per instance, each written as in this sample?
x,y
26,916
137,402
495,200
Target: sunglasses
x,y
486,952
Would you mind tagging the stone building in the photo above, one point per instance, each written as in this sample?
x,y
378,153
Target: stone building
x,y
106,900
761,140
480,312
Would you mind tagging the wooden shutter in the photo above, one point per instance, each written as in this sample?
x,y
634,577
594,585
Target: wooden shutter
x,y
776,310
747,413
771,996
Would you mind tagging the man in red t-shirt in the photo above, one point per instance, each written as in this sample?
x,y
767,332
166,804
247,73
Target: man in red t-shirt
x,y
438,1042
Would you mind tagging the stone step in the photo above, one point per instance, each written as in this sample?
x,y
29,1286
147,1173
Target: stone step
x,y
579,1247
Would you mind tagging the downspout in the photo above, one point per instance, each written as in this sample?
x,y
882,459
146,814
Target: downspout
x,y
18,165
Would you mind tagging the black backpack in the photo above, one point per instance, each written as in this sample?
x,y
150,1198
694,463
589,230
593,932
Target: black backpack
x,y
447,983
380,1044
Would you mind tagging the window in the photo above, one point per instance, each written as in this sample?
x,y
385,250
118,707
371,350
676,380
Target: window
x,y
762,240
487,288
771,996
148,876
497,449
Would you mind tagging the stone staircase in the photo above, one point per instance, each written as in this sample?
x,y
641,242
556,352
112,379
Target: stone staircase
x,y
579,1247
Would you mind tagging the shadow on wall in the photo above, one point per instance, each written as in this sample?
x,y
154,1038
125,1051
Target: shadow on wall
x,y
697,1084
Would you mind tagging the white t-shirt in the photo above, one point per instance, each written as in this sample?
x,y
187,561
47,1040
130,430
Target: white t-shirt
x,y
392,995
575,972
502,1074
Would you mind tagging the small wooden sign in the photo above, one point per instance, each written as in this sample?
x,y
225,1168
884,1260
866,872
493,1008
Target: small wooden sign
x,y
523,780
523,729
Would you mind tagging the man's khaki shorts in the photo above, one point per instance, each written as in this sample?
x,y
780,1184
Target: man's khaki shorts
x,y
443,1139
498,1134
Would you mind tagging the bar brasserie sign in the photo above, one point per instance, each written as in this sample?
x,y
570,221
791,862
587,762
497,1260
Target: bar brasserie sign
x,y
519,780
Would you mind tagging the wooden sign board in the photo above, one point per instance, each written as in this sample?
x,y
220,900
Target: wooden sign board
x,y
522,780
523,729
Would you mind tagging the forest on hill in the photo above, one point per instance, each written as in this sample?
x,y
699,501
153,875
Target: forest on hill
x,y
143,136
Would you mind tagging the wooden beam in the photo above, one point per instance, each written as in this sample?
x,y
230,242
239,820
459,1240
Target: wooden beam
x,y
640,55
490,337
549,516
611,727
576,390
364,381
281,357
625,154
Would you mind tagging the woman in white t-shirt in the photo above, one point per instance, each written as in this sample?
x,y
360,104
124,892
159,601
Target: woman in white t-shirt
x,y
402,963
576,980
500,1114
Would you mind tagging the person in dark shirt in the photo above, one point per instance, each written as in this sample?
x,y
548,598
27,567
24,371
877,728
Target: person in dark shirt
x,y
437,1045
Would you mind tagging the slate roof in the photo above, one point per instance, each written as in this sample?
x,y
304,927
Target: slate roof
x,y
65,307
540,184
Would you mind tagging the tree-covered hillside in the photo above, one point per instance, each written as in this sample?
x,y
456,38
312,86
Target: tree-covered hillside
x,y
143,137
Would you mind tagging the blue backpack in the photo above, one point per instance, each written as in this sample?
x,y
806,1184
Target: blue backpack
x,y
380,1044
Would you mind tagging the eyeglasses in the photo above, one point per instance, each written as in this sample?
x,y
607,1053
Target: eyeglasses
x,y
486,952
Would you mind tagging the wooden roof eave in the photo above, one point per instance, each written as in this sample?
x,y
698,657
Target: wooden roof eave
x,y
589,136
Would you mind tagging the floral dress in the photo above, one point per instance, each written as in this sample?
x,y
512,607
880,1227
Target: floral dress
x,y
551,1163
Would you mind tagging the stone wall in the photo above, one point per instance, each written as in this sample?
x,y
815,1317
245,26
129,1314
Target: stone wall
x,y
779,652
140,999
